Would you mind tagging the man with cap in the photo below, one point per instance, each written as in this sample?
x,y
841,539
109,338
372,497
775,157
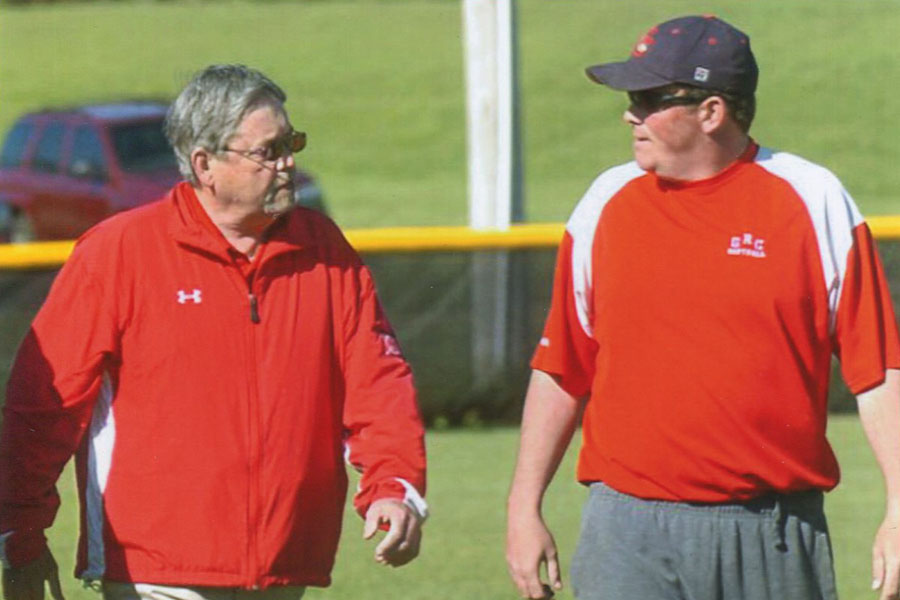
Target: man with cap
x,y
700,293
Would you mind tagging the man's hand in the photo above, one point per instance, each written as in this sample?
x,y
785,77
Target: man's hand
x,y
401,543
886,559
528,544
27,582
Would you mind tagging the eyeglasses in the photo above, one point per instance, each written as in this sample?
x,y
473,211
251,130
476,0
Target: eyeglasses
x,y
651,101
293,142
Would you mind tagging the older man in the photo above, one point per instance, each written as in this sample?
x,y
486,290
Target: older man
x,y
211,359
700,293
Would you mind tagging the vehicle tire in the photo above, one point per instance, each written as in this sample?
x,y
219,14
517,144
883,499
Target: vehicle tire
x,y
20,230
309,195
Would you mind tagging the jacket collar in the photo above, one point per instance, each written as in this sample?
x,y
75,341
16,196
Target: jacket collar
x,y
289,233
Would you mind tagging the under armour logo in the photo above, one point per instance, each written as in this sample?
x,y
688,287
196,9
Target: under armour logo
x,y
194,296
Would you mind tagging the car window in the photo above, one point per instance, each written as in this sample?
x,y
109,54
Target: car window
x,y
87,160
46,157
16,141
142,146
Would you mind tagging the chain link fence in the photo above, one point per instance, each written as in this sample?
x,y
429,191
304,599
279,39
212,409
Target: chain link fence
x,y
467,321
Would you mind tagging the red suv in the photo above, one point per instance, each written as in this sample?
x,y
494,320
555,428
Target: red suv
x,y
62,171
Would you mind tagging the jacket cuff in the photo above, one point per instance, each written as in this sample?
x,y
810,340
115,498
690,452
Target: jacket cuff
x,y
414,500
18,548
398,489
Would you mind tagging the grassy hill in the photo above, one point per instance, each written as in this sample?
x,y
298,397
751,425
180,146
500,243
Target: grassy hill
x,y
379,86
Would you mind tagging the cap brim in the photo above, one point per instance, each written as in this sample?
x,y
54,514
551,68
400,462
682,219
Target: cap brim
x,y
626,76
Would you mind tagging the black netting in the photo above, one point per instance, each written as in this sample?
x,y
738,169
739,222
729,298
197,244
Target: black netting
x,y
467,321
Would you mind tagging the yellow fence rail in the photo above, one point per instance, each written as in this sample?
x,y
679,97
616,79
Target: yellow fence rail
x,y
43,255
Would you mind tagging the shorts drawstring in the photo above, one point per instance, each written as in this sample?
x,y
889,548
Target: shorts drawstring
x,y
779,522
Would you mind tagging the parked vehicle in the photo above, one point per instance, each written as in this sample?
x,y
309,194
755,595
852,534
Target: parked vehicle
x,y
62,171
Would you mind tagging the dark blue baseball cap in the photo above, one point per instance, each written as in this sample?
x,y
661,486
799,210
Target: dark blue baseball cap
x,y
702,51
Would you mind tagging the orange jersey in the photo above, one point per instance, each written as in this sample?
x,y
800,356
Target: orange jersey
x,y
701,318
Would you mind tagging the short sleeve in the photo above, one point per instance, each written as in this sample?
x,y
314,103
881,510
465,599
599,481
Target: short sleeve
x,y
567,348
866,337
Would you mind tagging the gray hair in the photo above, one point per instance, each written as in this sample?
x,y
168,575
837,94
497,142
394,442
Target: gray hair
x,y
210,108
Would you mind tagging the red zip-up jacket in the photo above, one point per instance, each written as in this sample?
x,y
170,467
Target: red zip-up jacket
x,y
210,414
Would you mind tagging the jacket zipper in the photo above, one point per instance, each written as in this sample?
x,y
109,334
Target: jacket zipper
x,y
254,440
254,309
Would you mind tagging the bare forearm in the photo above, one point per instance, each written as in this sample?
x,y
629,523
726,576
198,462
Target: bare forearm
x,y
548,422
879,412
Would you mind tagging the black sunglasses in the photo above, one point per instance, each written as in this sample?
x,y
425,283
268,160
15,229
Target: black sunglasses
x,y
293,142
651,101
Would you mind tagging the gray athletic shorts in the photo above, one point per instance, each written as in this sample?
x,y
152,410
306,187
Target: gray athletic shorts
x,y
773,548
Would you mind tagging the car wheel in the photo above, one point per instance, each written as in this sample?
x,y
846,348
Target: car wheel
x,y
309,195
20,230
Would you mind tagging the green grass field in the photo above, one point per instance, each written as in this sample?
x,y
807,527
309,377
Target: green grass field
x,y
462,554
379,86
